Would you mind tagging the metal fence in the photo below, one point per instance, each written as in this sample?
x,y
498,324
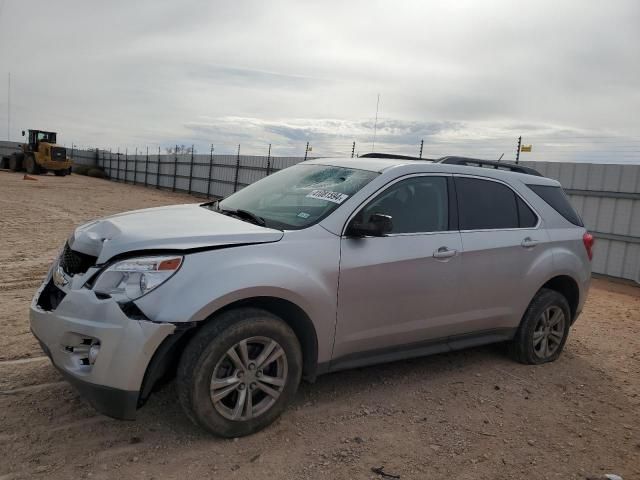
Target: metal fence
x,y
209,175
606,195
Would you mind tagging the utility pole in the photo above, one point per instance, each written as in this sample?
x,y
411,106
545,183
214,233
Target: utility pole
x,y
518,152
421,145
353,149
306,151
9,109
375,125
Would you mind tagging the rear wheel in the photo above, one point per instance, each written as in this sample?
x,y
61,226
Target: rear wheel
x,y
239,372
30,165
544,329
60,173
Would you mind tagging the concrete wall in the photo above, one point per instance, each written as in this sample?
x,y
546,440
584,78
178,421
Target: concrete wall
x,y
607,196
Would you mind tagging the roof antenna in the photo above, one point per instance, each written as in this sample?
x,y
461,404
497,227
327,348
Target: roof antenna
x,y
375,125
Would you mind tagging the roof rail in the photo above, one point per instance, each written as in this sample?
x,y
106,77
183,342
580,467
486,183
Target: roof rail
x,y
475,162
470,162
393,156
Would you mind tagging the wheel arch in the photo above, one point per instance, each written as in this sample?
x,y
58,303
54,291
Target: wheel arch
x,y
568,288
165,360
294,316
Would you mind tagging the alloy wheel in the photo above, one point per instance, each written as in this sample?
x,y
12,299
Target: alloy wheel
x,y
549,332
249,378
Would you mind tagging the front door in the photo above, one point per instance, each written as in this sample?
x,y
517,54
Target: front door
x,y
396,292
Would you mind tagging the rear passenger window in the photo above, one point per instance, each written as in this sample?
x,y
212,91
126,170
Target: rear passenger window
x,y
527,218
484,205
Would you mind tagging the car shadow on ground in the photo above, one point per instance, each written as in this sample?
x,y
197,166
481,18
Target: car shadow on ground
x,y
350,387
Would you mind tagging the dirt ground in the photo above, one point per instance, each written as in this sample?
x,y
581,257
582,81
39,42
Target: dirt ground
x,y
466,415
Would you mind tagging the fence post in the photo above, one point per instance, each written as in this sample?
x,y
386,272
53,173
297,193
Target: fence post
x,y
191,170
118,164
175,169
421,145
126,163
158,170
210,167
146,167
306,151
269,161
135,166
111,164
235,181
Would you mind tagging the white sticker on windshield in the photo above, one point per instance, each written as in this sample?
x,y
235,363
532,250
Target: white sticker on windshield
x,y
304,215
334,197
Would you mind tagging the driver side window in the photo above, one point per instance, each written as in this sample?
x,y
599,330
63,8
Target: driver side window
x,y
415,205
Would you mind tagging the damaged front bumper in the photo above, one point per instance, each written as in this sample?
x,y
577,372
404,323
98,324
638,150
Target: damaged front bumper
x,y
96,346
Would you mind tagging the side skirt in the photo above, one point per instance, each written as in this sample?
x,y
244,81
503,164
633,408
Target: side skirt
x,y
419,349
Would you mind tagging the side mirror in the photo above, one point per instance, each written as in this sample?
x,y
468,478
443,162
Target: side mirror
x,y
377,226
23,133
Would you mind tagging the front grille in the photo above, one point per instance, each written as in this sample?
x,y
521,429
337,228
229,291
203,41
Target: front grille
x,y
73,262
59,153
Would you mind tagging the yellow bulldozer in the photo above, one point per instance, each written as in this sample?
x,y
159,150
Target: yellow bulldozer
x,y
40,154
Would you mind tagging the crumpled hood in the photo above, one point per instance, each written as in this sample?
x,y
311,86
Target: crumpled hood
x,y
177,227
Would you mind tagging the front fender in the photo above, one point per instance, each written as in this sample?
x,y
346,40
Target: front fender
x,y
303,271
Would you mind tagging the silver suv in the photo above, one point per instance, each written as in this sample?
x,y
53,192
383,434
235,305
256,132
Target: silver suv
x,y
327,265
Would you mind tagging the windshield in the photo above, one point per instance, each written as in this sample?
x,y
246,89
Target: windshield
x,y
296,197
46,137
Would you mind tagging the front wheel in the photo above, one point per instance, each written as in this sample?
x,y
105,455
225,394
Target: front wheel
x,y
31,165
60,173
239,372
544,329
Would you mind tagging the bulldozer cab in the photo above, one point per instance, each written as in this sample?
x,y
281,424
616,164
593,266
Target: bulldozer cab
x,y
37,136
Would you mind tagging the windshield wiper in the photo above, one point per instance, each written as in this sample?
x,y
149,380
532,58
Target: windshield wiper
x,y
244,215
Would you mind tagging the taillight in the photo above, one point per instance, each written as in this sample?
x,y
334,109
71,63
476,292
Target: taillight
x,y
588,241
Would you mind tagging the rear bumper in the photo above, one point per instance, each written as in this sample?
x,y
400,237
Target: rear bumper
x,y
112,380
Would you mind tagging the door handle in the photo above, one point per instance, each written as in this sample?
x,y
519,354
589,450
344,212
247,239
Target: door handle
x,y
529,242
444,252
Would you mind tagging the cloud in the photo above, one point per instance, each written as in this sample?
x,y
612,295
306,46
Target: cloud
x,y
463,76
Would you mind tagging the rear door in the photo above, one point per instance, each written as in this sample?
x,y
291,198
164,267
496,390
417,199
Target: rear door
x,y
397,291
503,259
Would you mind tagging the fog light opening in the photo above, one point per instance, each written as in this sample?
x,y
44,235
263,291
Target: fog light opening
x,y
94,350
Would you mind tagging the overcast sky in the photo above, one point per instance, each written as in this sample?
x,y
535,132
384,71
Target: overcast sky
x,y
454,73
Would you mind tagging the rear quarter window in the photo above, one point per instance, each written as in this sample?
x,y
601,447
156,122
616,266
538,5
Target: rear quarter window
x,y
557,199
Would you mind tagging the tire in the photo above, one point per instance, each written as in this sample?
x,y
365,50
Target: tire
x,y
30,165
543,330
15,162
60,173
69,171
209,354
